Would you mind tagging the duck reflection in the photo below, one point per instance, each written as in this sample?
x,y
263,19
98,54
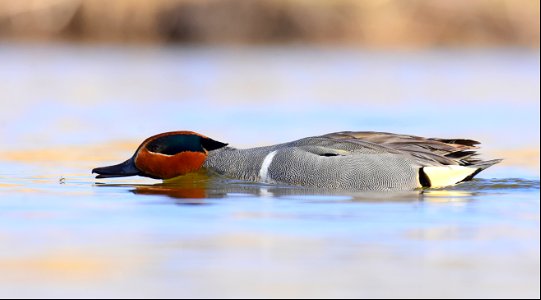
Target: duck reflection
x,y
190,189
199,188
215,191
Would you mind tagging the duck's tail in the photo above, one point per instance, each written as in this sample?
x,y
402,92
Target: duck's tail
x,y
481,166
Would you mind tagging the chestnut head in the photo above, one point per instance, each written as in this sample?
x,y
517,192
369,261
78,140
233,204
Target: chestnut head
x,y
165,156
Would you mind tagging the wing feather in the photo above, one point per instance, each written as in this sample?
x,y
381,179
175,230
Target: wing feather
x,y
425,150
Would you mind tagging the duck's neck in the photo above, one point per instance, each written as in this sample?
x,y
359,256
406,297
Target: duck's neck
x,y
243,164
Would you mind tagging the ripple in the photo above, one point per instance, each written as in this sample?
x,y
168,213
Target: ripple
x,y
498,184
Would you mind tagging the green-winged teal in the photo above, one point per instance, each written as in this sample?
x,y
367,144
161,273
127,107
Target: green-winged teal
x,y
375,161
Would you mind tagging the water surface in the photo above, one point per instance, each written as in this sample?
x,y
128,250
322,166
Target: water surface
x,y
67,109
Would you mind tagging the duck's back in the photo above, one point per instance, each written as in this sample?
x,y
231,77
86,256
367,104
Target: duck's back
x,y
355,160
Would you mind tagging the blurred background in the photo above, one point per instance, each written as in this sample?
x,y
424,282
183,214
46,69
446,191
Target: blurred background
x,y
374,23
84,72
83,82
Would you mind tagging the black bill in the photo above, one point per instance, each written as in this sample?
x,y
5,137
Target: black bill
x,y
124,169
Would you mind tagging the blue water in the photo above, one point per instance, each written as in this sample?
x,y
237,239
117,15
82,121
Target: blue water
x,y
69,108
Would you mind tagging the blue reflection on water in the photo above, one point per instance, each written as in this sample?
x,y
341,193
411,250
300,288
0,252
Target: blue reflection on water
x,y
479,238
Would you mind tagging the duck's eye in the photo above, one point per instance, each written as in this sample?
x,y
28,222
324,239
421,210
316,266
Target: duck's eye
x,y
174,144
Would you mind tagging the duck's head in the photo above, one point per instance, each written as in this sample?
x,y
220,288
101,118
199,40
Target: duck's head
x,y
165,156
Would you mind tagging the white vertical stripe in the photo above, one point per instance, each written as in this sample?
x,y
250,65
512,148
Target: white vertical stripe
x,y
264,171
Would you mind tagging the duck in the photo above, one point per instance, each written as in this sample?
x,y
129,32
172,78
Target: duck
x,y
348,160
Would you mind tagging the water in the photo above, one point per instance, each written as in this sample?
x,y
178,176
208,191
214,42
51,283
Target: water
x,y
67,109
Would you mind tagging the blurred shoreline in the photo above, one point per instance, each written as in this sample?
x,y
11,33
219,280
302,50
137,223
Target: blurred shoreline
x,y
86,156
371,24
